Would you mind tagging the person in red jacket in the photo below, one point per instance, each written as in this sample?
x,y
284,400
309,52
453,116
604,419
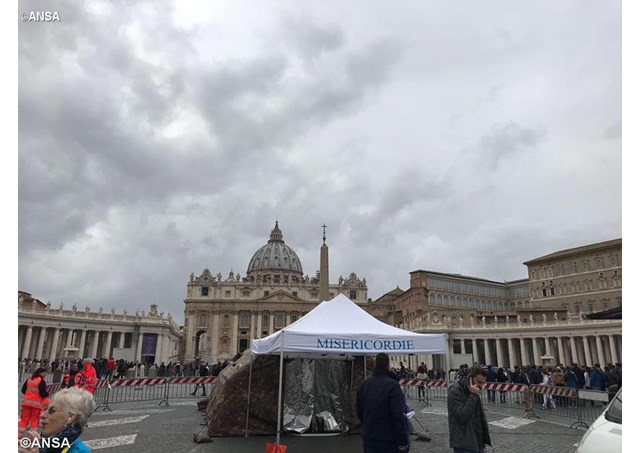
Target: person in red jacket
x,y
36,399
89,376
110,366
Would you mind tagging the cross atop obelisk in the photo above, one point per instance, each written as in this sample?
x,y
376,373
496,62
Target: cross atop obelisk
x,y
324,235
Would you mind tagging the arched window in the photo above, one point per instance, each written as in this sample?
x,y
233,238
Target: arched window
x,y
279,320
225,321
244,320
265,321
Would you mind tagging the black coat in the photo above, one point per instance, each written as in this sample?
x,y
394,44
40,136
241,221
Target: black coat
x,y
380,408
468,427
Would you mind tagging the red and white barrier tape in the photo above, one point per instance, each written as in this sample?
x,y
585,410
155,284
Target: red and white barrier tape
x,y
552,390
191,380
144,381
503,387
428,383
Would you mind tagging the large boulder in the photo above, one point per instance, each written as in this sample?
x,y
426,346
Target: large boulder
x,y
227,407
227,410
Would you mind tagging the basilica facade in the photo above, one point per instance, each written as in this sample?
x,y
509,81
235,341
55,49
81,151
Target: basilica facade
x,y
224,313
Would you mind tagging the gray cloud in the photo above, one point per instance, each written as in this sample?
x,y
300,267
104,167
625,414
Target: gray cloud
x,y
154,143
506,140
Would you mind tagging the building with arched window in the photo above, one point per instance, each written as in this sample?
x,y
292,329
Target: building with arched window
x,y
518,322
272,294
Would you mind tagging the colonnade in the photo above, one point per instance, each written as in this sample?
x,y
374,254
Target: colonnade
x,y
508,351
40,342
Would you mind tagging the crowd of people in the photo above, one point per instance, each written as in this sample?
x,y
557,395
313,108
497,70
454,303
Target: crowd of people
x,y
123,369
577,377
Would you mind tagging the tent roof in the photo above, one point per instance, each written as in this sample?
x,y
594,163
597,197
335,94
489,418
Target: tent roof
x,y
340,326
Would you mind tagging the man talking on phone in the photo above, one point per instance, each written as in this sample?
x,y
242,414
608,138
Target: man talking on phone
x,y
380,408
468,427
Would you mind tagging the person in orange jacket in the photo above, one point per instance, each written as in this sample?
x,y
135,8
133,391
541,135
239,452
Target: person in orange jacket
x,y
89,376
73,377
36,399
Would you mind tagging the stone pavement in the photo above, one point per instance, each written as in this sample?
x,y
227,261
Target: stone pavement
x,y
146,427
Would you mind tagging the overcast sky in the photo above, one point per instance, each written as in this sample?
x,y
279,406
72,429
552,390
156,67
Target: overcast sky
x,y
157,139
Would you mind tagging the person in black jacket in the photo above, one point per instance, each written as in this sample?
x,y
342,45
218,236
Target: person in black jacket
x,y
380,408
468,427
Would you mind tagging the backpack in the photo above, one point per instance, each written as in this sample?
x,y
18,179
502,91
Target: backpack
x,y
558,378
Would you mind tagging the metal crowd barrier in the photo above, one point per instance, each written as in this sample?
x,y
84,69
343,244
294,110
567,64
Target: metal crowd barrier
x,y
592,404
108,392
584,406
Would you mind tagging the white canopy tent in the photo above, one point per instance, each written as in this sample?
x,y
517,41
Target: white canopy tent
x,y
338,327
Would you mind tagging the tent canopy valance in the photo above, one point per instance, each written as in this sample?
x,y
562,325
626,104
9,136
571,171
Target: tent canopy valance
x,y
339,326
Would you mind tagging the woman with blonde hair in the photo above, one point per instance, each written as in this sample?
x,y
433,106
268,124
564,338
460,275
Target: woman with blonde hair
x,y
62,423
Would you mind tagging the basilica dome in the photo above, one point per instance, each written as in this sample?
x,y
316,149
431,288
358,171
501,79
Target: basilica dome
x,y
275,258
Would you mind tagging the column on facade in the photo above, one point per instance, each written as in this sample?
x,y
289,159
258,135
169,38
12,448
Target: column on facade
x,y
547,347
587,351
121,340
252,326
288,320
523,352
53,354
601,358
94,344
41,336
271,323
451,353
215,336
463,348
107,351
83,340
512,353
536,352
606,350
21,331
499,353
562,358
138,346
574,350
234,335
474,347
27,342
429,361
69,341
259,332
159,355
487,353
614,352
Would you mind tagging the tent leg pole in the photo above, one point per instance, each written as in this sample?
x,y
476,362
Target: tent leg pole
x,y
280,395
246,426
